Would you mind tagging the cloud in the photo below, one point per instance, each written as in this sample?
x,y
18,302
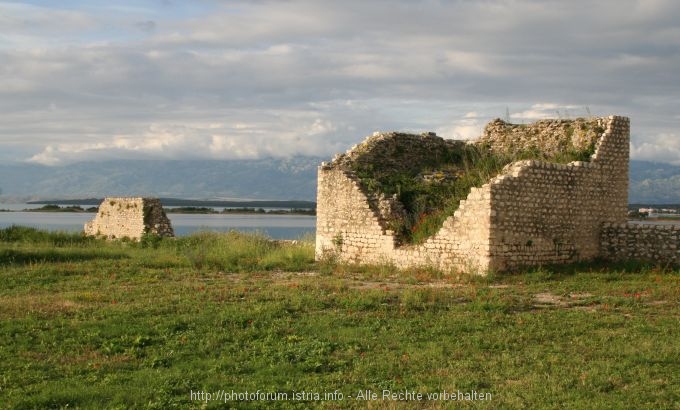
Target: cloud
x,y
309,77
18,19
208,140
468,127
660,148
549,110
147,26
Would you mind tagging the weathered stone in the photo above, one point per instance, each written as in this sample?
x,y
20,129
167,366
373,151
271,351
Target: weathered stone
x,y
544,213
131,218
548,136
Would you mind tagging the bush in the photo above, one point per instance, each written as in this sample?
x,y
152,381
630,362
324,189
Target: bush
x,y
427,203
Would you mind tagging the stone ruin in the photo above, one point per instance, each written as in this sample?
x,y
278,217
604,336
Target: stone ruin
x,y
533,212
130,218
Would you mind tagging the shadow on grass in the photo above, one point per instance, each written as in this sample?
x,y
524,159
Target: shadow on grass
x,y
595,267
23,257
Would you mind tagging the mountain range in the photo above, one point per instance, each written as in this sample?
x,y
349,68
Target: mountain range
x,y
279,179
653,183
262,179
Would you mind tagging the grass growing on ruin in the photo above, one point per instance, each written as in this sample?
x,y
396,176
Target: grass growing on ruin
x,y
427,203
92,324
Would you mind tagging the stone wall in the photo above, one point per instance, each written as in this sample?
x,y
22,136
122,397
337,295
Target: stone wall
x,y
547,136
551,213
533,213
348,227
657,243
131,218
395,150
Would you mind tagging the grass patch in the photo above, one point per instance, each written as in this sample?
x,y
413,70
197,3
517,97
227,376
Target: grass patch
x,y
142,327
239,252
27,235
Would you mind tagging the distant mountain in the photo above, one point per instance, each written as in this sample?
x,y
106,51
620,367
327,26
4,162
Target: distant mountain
x,y
190,203
278,179
274,179
654,183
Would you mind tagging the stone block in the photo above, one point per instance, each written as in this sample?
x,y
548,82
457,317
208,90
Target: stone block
x,y
121,217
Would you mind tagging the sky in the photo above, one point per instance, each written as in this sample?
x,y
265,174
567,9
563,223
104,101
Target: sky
x,y
235,79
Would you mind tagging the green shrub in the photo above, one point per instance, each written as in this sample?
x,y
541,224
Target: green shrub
x,y
150,240
428,203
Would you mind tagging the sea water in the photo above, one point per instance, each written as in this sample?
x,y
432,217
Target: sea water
x,y
274,226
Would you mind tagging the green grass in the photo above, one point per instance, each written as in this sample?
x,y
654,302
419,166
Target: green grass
x,y
93,324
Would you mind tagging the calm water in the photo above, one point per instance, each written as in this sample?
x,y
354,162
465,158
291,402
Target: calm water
x,y
275,226
655,222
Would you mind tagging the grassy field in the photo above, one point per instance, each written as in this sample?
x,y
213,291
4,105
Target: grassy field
x,y
90,324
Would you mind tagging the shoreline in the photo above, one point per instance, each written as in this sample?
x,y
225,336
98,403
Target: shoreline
x,y
179,210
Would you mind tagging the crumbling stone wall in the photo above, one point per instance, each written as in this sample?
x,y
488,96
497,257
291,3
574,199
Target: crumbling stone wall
x,y
348,227
533,213
550,137
131,218
391,153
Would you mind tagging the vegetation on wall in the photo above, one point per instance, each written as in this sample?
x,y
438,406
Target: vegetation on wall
x,y
430,186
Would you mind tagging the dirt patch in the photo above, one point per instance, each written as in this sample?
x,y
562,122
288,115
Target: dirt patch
x,y
44,304
585,301
368,285
572,300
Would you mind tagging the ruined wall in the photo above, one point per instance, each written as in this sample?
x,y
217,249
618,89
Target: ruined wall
x,y
550,137
389,154
129,218
533,213
552,213
650,243
348,227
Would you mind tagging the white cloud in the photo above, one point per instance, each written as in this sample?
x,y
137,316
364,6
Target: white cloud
x,y
230,79
660,148
209,140
549,110
468,127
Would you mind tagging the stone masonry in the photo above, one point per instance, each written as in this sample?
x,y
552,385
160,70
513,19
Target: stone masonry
x,y
655,243
131,218
533,213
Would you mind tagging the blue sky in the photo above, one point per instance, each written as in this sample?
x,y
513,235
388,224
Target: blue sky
x,y
92,80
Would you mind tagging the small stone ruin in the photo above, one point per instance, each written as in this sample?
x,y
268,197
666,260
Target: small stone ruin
x,y
120,217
